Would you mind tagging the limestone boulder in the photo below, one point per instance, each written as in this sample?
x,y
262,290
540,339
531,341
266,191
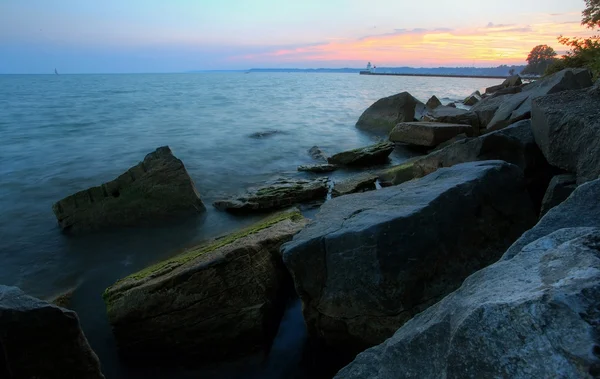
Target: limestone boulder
x,y
156,188
533,316
371,261
41,340
514,144
317,154
216,301
472,99
512,81
518,106
385,113
364,156
581,209
566,126
486,109
358,183
281,194
429,134
559,189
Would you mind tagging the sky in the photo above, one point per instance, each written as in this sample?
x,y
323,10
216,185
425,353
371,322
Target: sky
x,y
130,36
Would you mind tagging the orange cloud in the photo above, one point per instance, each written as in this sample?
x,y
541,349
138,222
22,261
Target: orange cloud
x,y
489,45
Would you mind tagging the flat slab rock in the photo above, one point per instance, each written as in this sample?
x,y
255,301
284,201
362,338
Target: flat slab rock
x,y
370,261
41,340
429,134
282,194
358,183
533,316
215,301
363,156
155,188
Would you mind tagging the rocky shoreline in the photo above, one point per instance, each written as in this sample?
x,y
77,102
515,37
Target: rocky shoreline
x,y
479,258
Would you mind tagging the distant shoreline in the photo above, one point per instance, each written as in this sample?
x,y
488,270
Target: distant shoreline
x,y
434,75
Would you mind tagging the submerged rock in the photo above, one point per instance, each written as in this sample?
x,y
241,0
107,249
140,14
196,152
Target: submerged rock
x,y
369,262
566,126
385,113
363,156
158,187
317,154
533,316
265,133
318,168
559,189
41,340
358,183
429,134
216,301
276,196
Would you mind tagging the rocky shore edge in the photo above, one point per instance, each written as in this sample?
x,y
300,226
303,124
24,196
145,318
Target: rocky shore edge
x,y
479,258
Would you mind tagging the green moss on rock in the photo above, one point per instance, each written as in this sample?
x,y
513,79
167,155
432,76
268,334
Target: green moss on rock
x,y
170,264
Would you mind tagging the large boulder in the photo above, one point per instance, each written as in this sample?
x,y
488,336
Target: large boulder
x,y
281,194
581,209
41,340
559,189
216,301
429,134
518,107
566,126
158,187
514,144
369,262
486,109
510,82
533,316
363,156
472,99
385,113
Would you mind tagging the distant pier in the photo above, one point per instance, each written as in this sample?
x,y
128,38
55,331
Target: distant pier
x,y
433,75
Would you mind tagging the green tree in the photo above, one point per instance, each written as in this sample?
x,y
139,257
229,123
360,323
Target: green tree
x,y
585,52
539,59
591,14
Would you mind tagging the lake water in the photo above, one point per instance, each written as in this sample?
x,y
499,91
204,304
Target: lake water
x,y
62,134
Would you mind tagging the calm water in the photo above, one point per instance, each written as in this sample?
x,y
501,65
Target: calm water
x,y
61,134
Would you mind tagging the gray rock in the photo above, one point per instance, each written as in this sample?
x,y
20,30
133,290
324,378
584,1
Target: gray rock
x,y
264,134
507,90
158,187
318,168
452,115
559,189
492,89
279,195
41,340
215,301
363,156
512,81
566,126
486,109
581,209
317,154
430,134
472,99
534,316
514,144
433,102
384,114
369,262
358,183
518,106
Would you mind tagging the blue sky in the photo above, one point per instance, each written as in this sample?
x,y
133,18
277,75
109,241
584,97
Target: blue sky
x,y
81,36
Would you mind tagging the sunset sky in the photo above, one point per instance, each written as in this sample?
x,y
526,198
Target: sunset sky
x,y
81,36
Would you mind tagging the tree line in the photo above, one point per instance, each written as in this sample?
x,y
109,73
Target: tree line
x,y
584,52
